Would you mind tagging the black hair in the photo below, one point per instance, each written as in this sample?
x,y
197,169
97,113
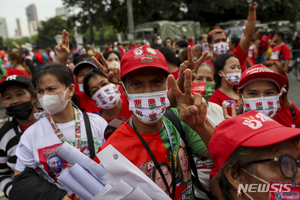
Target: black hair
x,y
168,38
280,34
219,65
77,58
91,73
61,72
235,40
107,53
160,164
182,43
169,54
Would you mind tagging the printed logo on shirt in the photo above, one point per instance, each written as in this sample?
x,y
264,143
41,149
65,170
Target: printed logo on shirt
x,y
228,103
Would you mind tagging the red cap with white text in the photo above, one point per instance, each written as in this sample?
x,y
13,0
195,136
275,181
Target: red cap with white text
x,y
143,56
251,129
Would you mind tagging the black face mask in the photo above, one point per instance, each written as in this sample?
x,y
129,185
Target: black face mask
x,y
21,111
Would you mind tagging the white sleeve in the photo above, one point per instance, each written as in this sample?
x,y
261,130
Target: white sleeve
x,y
24,154
214,114
98,126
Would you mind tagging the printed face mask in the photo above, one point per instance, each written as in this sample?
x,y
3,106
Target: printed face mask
x,y
266,105
149,107
205,89
107,97
53,104
81,87
232,78
220,48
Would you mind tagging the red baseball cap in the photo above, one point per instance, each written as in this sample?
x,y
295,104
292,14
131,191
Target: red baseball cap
x,y
251,129
260,72
143,56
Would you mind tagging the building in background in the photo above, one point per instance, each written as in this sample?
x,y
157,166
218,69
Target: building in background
x,y
32,18
3,28
22,28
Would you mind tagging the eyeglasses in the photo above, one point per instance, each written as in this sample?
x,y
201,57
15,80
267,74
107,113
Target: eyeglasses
x,y
288,165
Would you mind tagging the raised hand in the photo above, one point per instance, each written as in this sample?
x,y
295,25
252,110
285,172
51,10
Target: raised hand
x,y
253,6
225,113
192,109
112,72
62,50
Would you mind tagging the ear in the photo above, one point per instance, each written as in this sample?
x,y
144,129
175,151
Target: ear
x,y
233,177
220,73
241,101
71,91
34,99
211,47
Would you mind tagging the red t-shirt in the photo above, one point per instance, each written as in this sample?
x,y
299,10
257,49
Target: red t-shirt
x,y
282,52
284,116
240,54
125,112
24,127
87,103
264,44
219,97
126,141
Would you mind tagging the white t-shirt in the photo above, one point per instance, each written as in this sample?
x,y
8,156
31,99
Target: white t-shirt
x,y
39,142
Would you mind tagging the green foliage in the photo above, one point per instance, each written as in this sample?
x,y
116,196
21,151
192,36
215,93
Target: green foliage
x,y
208,12
49,29
8,42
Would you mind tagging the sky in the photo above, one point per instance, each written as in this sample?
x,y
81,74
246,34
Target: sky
x,y
13,9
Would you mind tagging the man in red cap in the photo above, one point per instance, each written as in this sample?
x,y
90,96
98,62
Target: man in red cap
x,y
217,39
148,136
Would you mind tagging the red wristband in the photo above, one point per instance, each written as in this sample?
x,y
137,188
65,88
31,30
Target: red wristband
x,y
251,19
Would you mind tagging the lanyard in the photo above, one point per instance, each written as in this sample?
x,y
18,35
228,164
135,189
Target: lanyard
x,y
77,129
155,161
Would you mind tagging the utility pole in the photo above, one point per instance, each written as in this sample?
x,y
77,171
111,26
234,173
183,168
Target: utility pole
x,y
90,23
130,19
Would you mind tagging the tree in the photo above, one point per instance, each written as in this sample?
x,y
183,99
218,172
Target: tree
x,y
48,30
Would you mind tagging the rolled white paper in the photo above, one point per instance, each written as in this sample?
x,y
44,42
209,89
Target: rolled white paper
x,y
71,183
120,190
86,179
73,156
137,194
103,191
121,168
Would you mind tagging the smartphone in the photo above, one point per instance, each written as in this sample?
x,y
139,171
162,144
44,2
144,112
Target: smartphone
x,y
252,1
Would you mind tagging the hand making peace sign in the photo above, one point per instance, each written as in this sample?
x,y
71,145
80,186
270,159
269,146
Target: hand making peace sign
x,y
62,50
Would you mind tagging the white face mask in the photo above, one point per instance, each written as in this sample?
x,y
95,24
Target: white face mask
x,y
81,87
232,78
159,41
148,107
53,104
107,97
220,48
266,105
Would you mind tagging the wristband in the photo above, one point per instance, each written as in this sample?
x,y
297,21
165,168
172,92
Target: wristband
x,y
251,19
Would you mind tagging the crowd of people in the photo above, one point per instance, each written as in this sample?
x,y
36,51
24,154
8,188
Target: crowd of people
x,y
198,118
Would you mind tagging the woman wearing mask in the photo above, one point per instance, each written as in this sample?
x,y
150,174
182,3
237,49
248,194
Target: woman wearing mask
x,y
18,97
113,103
59,122
259,89
288,114
113,58
252,149
227,76
17,68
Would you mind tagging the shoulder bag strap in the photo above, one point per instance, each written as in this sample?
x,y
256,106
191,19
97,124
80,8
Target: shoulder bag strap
x,y
89,135
176,122
292,109
157,165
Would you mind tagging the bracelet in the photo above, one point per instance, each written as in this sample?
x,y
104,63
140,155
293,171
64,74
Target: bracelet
x,y
251,19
